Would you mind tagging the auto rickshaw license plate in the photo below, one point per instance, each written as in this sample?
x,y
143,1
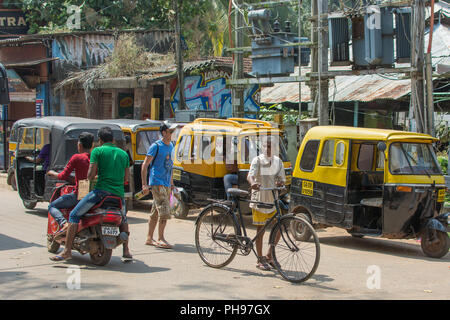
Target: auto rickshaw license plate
x,y
441,195
307,188
176,174
110,231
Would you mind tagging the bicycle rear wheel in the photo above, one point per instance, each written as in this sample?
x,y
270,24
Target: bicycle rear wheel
x,y
296,260
215,235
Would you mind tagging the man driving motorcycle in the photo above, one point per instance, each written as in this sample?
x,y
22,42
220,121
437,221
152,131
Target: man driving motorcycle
x,y
111,164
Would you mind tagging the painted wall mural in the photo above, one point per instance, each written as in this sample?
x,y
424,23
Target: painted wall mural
x,y
207,91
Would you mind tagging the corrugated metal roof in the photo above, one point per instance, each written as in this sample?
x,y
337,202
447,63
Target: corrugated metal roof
x,y
348,88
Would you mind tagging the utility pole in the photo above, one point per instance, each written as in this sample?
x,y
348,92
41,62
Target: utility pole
x,y
299,59
429,76
323,62
179,53
314,56
417,62
237,92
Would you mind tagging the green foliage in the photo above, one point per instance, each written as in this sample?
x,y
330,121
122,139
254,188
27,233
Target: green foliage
x,y
268,113
107,14
443,163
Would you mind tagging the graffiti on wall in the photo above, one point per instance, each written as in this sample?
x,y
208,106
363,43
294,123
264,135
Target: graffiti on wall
x,y
208,91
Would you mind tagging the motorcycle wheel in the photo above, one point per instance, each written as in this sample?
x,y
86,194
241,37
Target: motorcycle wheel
x,y
52,246
29,204
102,256
435,248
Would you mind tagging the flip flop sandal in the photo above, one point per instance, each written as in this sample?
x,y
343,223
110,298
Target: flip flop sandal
x,y
163,245
127,258
59,258
151,244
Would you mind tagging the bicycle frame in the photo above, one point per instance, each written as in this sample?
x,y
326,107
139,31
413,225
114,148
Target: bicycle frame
x,y
236,205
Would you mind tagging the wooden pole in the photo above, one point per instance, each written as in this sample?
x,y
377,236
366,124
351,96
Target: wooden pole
x,y
179,53
323,63
417,62
429,87
314,56
299,59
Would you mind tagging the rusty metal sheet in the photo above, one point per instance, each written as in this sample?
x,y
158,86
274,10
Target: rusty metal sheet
x,y
342,89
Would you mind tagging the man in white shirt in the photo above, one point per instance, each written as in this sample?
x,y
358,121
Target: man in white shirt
x,y
266,171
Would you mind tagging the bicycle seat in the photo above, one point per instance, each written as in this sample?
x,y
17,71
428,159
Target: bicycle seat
x,y
238,192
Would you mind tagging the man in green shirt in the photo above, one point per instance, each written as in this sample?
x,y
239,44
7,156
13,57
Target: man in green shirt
x,y
111,164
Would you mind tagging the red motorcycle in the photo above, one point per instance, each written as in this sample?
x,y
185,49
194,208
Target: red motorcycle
x,y
98,231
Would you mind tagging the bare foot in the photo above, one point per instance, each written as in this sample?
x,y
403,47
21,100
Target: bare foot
x,y
150,242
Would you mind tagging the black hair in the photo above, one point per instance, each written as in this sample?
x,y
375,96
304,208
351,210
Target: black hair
x,y
163,127
86,139
105,134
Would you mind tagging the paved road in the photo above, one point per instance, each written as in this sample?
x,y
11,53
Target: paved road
x,y
27,273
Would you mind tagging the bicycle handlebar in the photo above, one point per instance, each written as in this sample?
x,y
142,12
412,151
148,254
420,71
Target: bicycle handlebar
x,y
275,188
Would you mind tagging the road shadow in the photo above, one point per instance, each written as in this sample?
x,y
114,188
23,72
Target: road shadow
x,y
115,265
181,247
9,276
315,281
9,243
22,285
384,246
43,213
136,220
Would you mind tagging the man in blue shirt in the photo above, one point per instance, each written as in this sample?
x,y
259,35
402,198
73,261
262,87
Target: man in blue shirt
x,y
160,156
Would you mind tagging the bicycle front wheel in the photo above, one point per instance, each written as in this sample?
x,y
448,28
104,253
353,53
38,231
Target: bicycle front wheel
x,y
296,260
215,236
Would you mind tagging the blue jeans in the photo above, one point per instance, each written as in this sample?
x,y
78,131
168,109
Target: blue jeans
x,y
66,201
90,200
228,181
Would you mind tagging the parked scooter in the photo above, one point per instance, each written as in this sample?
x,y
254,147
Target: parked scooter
x,y
98,231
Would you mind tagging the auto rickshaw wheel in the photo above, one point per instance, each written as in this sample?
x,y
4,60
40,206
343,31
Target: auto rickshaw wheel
x,y
29,204
11,180
356,235
302,234
435,246
52,246
13,183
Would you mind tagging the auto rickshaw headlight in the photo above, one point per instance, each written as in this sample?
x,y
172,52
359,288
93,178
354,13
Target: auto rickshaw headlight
x,y
404,189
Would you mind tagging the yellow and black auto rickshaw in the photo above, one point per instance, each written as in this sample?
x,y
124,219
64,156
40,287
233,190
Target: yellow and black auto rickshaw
x,y
60,135
372,182
27,143
208,149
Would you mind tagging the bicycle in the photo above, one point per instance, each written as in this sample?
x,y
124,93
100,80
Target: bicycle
x,y
219,235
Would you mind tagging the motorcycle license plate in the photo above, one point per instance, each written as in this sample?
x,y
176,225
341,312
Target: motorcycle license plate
x,y
110,231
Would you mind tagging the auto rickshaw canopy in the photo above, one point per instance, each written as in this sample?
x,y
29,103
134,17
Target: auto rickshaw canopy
x,y
134,124
355,133
64,132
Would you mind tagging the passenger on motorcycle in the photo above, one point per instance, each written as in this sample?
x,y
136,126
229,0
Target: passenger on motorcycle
x,y
111,164
80,163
